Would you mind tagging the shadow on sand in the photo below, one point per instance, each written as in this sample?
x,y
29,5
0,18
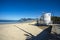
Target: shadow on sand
x,y
24,31
44,35
54,36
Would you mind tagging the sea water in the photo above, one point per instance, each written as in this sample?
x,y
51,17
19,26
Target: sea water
x,y
8,21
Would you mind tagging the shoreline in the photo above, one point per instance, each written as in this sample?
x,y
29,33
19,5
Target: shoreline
x,y
16,22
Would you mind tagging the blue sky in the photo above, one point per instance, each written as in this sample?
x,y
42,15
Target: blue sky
x,y
16,9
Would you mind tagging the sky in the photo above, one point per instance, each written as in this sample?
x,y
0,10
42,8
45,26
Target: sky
x,y
16,9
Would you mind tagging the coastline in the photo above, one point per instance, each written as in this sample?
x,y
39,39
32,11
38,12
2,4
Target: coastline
x,y
16,22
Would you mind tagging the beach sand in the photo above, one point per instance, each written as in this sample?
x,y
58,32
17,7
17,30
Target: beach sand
x,y
18,31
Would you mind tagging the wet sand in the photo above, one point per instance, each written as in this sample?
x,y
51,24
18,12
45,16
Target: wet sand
x,y
19,31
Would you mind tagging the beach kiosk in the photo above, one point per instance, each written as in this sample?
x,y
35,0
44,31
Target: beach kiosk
x,y
47,18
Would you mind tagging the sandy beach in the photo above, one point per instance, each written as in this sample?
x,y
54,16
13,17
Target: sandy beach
x,y
18,31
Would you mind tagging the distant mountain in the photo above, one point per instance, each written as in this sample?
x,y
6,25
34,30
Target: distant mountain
x,y
21,20
26,19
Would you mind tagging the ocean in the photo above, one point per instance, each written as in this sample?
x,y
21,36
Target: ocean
x,y
8,21
13,21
